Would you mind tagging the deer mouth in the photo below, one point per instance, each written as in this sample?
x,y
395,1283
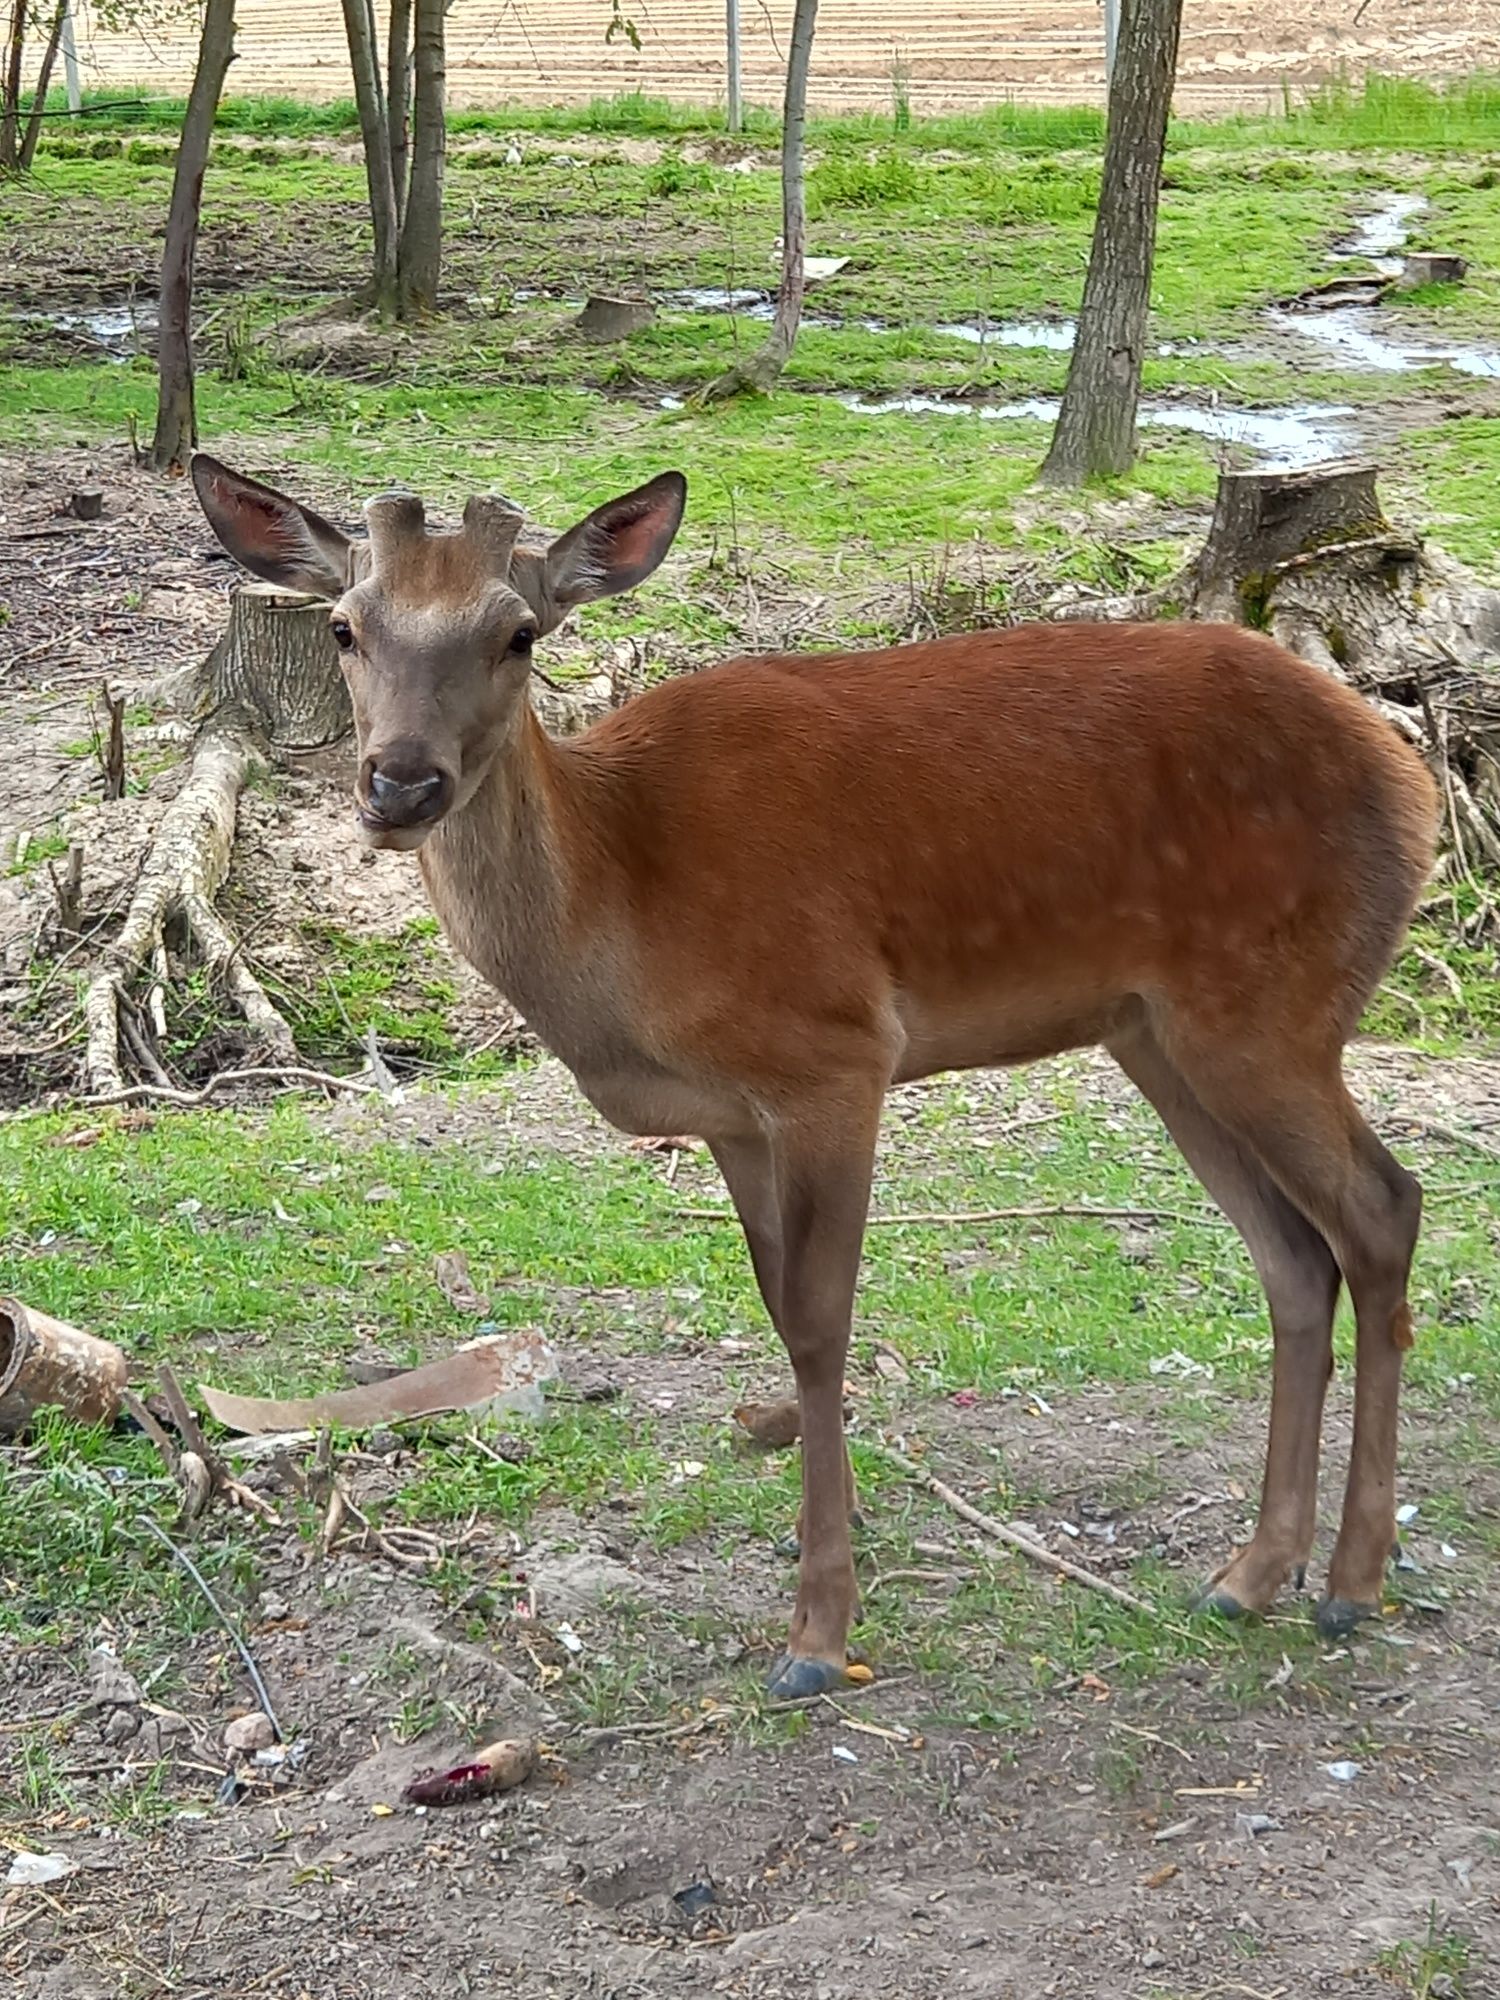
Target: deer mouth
x,y
379,833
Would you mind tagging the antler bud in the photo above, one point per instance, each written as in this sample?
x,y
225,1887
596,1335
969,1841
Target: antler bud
x,y
492,523
395,520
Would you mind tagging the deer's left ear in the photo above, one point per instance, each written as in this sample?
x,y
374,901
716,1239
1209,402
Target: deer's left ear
x,y
273,536
618,545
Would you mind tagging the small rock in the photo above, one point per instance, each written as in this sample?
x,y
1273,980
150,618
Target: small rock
x,y
33,1871
120,1725
1251,1824
380,1192
248,1733
274,1607
1343,1772
110,1684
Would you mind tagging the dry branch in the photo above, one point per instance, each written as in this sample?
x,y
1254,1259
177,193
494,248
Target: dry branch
x,y
1013,1538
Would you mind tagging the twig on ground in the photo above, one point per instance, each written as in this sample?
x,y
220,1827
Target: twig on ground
x,y
1150,1736
1013,1538
1029,1212
288,1073
186,1562
1455,1136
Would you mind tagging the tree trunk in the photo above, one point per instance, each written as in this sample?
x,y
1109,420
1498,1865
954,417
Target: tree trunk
x,y
762,371
176,411
359,27
1095,433
10,94
43,81
398,100
422,227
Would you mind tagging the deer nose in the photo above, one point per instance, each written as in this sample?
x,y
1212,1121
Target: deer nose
x,y
405,800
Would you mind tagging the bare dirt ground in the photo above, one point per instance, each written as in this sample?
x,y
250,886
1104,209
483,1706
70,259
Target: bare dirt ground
x,y
1114,1842
1236,54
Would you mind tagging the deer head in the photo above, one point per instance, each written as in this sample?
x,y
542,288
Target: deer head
x,y
435,630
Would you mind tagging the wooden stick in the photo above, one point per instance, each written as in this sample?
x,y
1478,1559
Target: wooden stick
x,y
1013,1538
1028,1212
187,1098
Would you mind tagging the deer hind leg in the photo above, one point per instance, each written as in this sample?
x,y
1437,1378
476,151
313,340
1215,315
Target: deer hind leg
x,y
1301,1282
748,1167
1300,1121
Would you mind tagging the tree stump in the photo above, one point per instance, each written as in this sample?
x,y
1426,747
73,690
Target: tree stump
x,y
604,318
1430,267
1265,520
275,671
273,680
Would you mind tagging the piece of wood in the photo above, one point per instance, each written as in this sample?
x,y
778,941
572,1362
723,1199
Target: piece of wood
x,y
68,889
47,1364
470,1378
1431,267
87,504
605,318
112,756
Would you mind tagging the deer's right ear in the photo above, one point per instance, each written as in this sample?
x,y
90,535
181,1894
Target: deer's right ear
x,y
272,536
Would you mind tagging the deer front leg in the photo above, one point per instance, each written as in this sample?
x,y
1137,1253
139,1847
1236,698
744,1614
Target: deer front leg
x,y
748,1166
823,1201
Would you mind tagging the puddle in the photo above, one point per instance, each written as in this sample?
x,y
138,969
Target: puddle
x,y
1381,235
119,330
1011,333
1303,434
722,299
1357,337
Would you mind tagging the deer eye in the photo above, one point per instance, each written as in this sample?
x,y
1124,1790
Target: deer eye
x,y
343,633
524,640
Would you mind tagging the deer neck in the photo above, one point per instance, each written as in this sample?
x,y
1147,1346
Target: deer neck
x,y
514,877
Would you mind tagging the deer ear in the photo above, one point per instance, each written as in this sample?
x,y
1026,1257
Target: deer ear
x,y
269,534
618,545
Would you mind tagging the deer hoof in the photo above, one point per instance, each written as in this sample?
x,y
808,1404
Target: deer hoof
x,y
794,1678
1338,1616
1221,1602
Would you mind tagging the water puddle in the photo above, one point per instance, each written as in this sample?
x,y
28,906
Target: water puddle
x,y
1357,338
1380,236
1302,434
1012,333
120,330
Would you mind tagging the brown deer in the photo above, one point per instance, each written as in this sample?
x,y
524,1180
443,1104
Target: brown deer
x,y
751,900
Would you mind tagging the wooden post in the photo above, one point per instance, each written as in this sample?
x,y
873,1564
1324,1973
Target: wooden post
x,y
70,60
732,32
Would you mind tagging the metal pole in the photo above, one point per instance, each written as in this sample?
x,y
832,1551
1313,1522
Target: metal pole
x,y
732,33
70,59
1111,37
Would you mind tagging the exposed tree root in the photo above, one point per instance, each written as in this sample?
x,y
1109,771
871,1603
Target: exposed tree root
x,y
182,874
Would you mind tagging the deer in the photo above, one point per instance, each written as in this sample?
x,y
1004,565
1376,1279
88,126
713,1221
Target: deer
x,y
751,900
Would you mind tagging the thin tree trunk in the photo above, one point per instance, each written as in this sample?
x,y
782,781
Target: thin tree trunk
x,y
1095,433
176,410
359,27
43,82
10,99
422,226
398,100
761,372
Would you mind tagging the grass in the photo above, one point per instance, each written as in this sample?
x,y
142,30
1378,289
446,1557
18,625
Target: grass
x,y
1383,113
1432,1967
258,1250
